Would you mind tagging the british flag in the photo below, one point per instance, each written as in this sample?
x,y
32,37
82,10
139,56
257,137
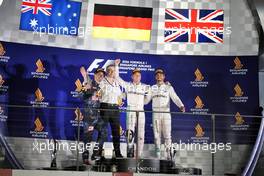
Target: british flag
x,y
43,6
194,25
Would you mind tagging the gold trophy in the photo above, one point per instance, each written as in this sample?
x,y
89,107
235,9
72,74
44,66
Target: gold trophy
x,y
120,100
99,93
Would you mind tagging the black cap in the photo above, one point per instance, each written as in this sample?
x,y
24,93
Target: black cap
x,y
159,70
99,70
136,70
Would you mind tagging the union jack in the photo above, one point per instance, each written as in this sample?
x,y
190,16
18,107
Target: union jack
x,y
193,25
43,6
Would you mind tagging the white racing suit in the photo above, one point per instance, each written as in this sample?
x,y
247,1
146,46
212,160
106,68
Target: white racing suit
x,y
135,102
161,95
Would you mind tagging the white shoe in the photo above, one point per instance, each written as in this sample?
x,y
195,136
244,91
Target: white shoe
x,y
158,155
168,156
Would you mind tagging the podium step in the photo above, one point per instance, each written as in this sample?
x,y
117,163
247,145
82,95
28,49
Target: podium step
x,y
142,166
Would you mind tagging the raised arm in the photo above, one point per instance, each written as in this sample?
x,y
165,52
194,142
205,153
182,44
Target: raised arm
x,y
120,81
86,77
176,99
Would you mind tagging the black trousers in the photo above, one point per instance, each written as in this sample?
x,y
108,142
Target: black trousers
x,y
111,114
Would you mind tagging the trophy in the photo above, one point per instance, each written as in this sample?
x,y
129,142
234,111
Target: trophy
x,y
120,101
130,143
54,155
173,156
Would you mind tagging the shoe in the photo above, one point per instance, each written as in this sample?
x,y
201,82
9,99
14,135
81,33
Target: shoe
x,y
130,154
85,157
168,156
158,153
118,154
97,155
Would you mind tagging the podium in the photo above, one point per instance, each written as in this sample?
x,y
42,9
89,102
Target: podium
x,y
154,166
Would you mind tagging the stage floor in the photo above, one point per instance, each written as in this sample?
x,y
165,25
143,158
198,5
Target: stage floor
x,y
72,173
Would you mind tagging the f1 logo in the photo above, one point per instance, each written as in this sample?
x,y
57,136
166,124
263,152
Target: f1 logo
x,y
97,62
1,1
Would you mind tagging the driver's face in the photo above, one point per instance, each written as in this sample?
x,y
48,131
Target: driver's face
x,y
99,76
136,77
160,77
111,71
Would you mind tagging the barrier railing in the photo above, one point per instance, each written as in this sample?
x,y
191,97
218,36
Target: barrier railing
x,y
194,142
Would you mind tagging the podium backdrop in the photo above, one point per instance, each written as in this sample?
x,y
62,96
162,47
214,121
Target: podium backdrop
x,y
205,84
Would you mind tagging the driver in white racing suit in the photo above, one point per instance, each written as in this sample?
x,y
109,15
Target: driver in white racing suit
x,y
135,93
161,93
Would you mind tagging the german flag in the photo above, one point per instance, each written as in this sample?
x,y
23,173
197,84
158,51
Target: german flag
x,y
122,22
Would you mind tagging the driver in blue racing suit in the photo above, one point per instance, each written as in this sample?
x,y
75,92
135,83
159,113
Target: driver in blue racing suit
x,y
92,120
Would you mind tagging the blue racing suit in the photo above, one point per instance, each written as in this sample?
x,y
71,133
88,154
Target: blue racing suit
x,y
92,120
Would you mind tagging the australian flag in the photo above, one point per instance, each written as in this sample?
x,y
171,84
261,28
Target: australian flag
x,y
50,16
194,25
